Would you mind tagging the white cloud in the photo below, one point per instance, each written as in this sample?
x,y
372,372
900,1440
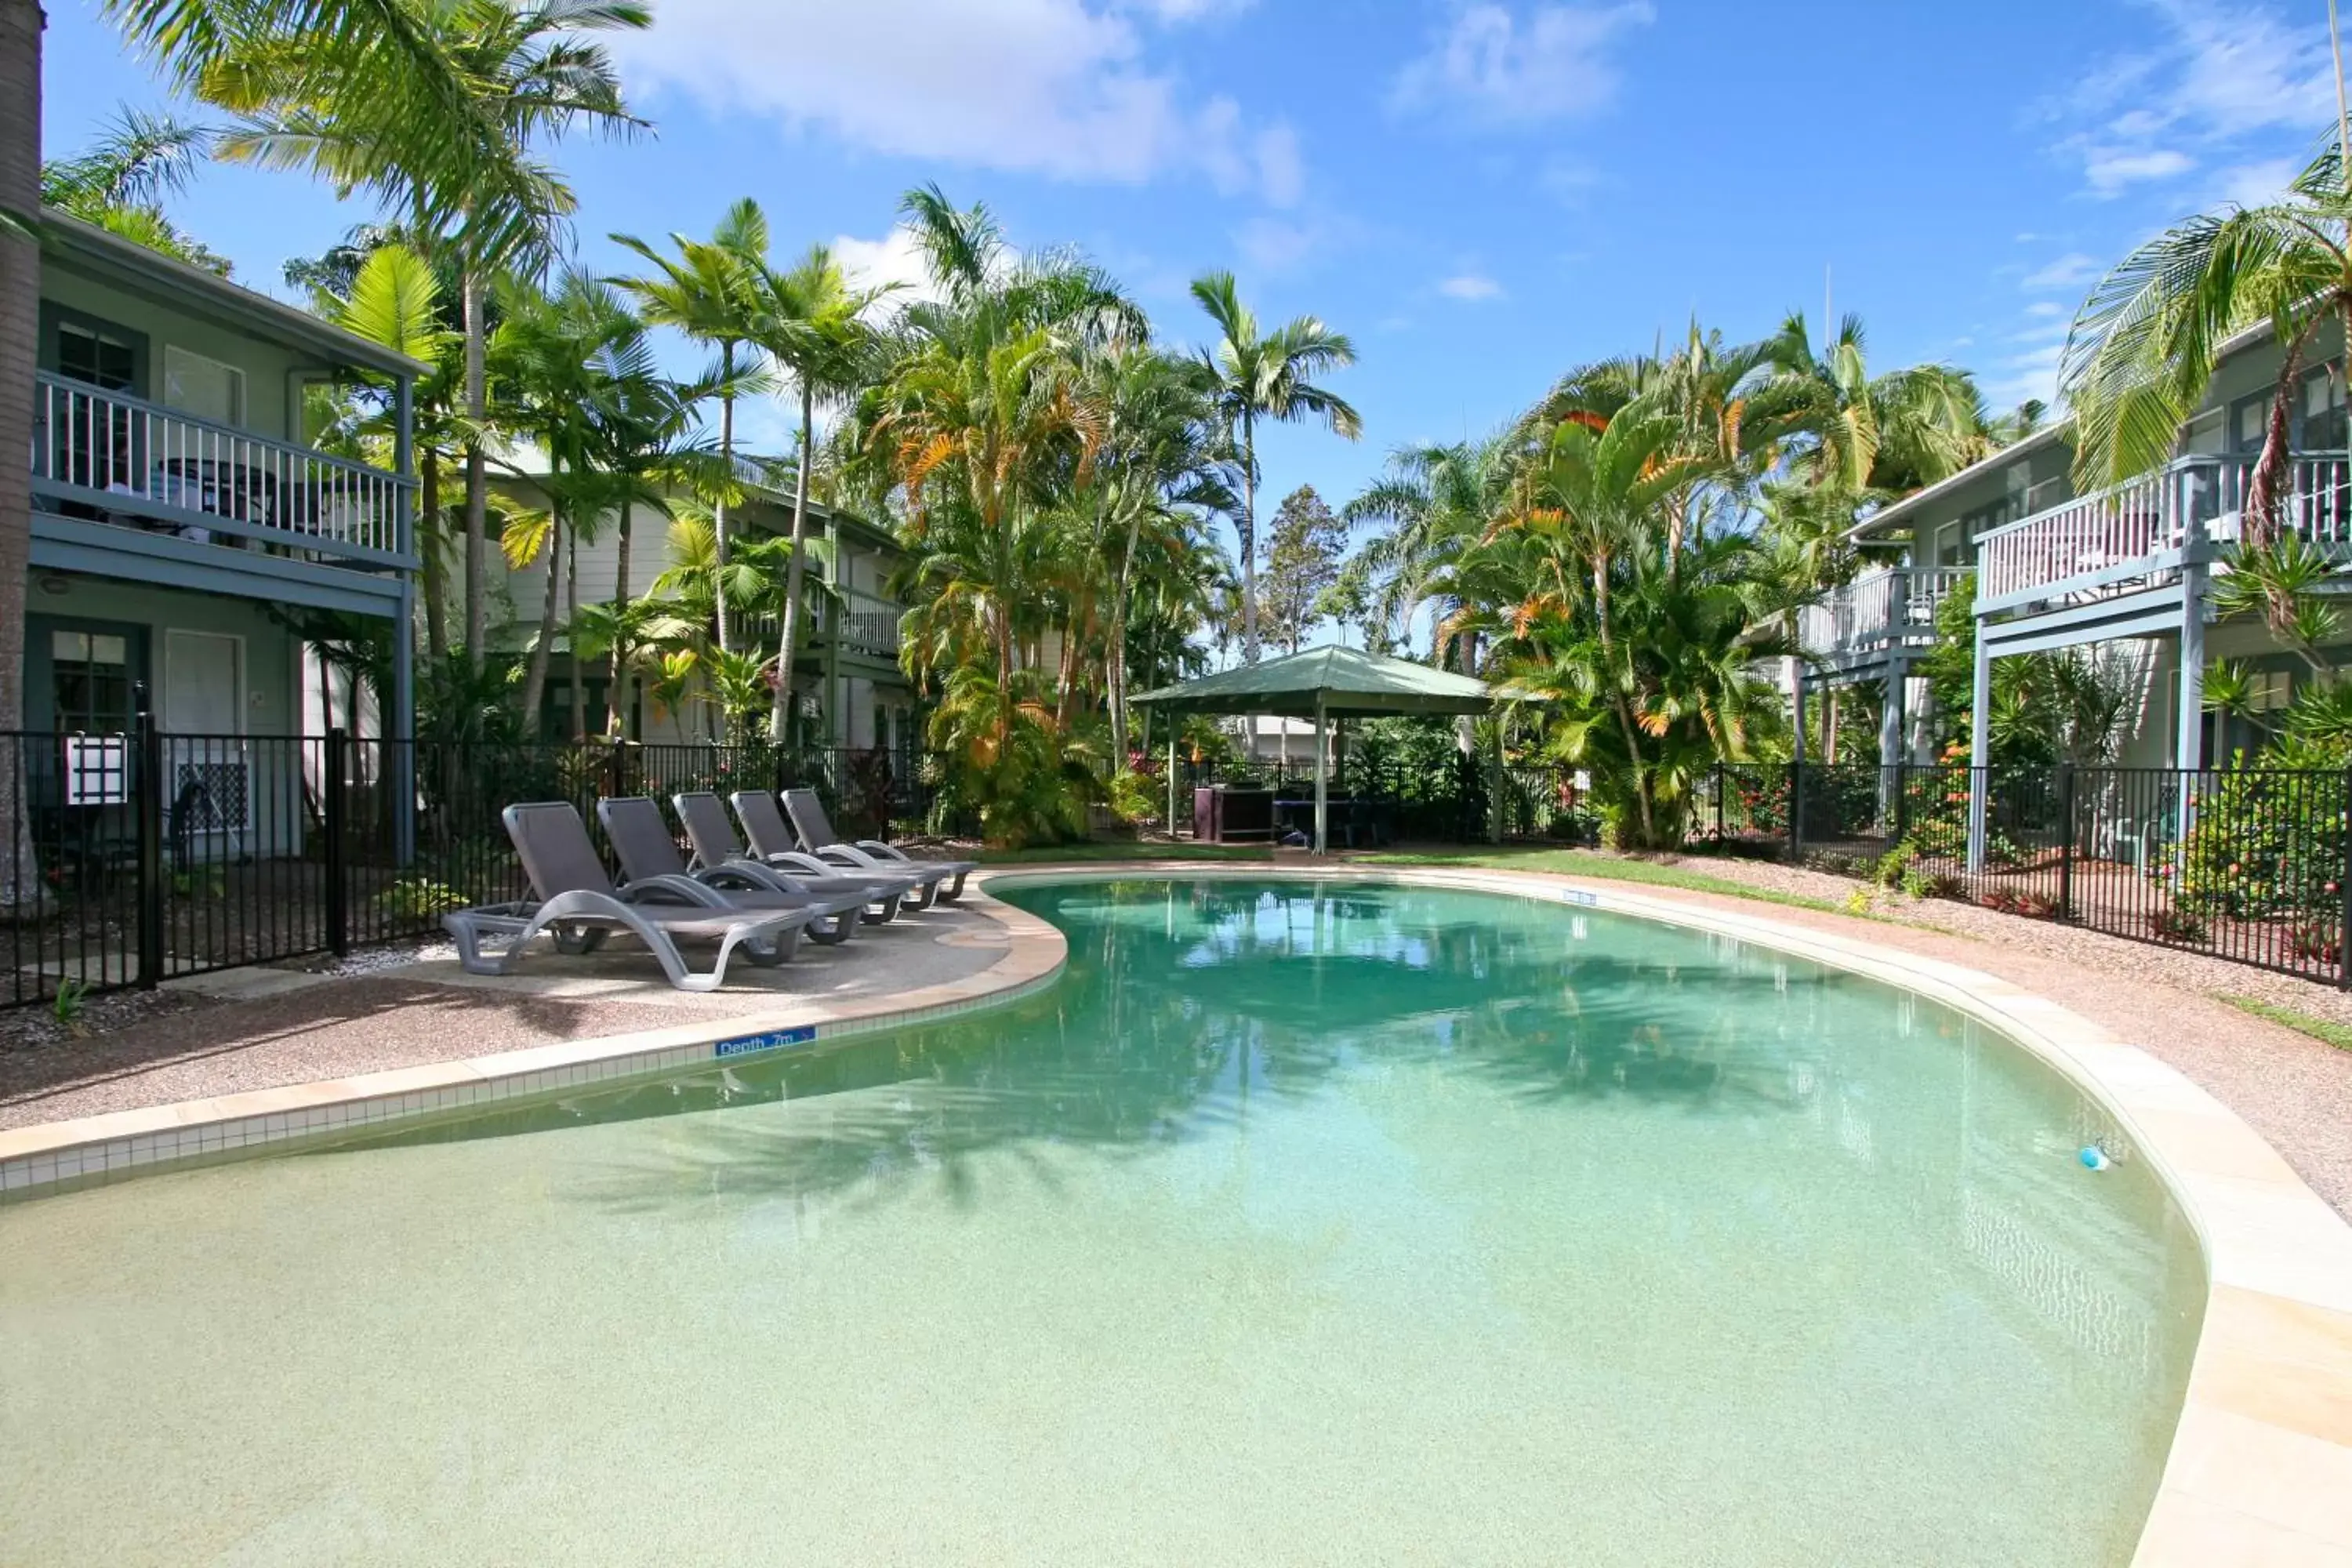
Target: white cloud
x,y
1504,69
877,263
2042,309
2110,170
2209,75
2068,271
1473,287
1276,245
2256,184
1062,88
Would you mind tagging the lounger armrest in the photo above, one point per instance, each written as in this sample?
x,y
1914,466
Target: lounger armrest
x,y
876,847
748,876
671,888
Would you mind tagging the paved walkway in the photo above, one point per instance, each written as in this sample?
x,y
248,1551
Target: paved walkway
x,y
280,1027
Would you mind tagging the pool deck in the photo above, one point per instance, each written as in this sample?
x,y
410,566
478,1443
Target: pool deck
x,y
2261,1468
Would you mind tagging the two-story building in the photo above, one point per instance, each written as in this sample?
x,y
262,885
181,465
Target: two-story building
x,y
2130,567
853,693
182,518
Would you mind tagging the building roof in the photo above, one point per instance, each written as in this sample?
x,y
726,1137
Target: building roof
x,y
2057,429
1339,682
127,265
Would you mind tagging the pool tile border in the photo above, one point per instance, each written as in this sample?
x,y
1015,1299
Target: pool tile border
x,y
53,1157
2260,1466
2260,1470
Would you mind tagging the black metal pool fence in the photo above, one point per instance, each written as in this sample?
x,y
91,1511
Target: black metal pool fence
x,y
148,856
2244,863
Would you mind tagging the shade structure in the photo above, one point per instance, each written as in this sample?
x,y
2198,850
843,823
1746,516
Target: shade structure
x,y
1323,684
1334,682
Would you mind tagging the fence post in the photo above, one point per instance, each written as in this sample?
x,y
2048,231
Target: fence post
x,y
333,784
1796,812
151,888
2343,889
2065,911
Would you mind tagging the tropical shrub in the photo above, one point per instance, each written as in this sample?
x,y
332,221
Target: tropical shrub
x,y
2265,845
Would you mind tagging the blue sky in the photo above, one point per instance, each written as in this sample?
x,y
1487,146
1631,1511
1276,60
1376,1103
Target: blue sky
x,y
1481,194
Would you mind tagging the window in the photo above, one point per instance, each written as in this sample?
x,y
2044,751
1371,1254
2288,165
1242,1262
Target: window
x,y
2249,421
99,355
203,387
2322,412
90,681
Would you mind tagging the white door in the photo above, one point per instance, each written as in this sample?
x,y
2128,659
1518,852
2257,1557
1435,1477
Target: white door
x,y
205,768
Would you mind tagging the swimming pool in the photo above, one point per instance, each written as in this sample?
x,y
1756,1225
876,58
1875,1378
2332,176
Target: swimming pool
x,y
1298,1223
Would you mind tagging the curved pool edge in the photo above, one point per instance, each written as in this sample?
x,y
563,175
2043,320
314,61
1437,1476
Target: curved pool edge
x,y
54,1157
2260,1469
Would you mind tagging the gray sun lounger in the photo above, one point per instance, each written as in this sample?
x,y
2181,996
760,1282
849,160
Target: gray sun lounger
x,y
649,857
712,833
576,902
772,840
817,837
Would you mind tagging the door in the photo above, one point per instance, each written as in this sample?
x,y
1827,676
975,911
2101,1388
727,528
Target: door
x,y
207,770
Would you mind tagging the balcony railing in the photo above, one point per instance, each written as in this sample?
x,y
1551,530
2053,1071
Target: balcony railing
x,y
132,459
2135,533
869,625
1879,610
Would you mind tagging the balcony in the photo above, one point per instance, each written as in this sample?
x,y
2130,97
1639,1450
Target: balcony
x,y
869,625
1876,612
2139,534
114,458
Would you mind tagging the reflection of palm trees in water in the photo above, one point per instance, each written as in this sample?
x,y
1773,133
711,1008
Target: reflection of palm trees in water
x,y
1180,1004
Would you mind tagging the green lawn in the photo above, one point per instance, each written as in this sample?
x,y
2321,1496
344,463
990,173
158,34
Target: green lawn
x,y
2336,1035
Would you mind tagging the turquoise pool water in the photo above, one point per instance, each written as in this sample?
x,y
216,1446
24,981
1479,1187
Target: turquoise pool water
x,y
1293,1225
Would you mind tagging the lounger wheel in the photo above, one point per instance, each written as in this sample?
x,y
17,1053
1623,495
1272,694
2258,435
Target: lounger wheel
x,y
579,939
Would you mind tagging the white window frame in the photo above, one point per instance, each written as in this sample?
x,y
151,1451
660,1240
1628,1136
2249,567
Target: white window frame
x,y
174,356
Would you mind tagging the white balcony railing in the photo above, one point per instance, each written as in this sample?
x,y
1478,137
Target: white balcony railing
x,y
208,482
868,625
2137,531
1876,611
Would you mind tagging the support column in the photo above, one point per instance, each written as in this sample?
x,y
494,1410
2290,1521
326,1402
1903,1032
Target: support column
x,y
1322,782
1797,707
1890,734
1980,749
2188,730
1171,781
401,730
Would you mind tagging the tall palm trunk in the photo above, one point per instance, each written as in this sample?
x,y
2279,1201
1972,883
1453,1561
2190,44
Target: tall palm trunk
x,y
477,495
534,683
616,695
2263,485
20,286
1125,601
718,508
435,566
779,713
1249,540
572,647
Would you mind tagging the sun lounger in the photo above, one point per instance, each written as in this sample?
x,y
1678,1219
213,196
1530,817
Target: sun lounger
x,y
649,858
817,837
575,901
773,840
712,833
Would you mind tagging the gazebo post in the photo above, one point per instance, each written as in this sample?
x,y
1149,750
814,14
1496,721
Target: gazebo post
x,y
1172,780
1497,784
1322,771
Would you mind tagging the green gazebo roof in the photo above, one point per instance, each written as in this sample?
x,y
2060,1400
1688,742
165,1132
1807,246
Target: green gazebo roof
x,y
1346,682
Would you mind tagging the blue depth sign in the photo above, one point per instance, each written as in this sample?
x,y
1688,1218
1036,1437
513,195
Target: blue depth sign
x,y
774,1039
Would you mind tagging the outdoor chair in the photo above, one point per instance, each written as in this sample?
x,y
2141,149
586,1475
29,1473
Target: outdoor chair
x,y
712,833
772,839
575,901
649,858
817,837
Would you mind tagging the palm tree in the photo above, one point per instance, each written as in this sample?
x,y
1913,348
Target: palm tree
x,y
515,72
1267,376
119,183
1889,434
1434,502
710,292
2144,344
811,324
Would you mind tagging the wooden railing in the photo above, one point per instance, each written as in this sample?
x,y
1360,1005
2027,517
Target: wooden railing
x,y
208,482
1877,610
2152,525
